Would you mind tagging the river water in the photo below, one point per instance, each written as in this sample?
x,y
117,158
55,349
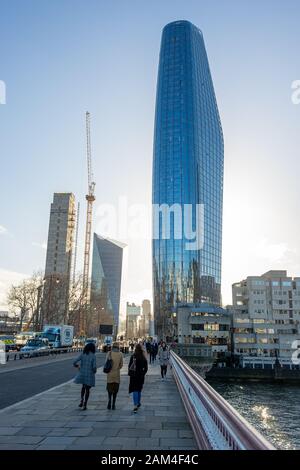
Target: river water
x,y
273,409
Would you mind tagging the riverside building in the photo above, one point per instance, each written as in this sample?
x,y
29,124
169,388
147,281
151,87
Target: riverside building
x,y
203,325
266,319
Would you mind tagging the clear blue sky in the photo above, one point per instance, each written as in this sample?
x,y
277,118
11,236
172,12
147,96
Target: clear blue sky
x,y
62,57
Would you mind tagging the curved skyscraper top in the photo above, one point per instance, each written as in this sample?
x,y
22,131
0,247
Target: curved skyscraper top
x,y
187,175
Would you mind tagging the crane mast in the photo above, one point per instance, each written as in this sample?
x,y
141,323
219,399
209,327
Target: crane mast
x,y
90,197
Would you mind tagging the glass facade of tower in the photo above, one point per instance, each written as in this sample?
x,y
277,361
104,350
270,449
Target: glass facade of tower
x,y
105,286
187,170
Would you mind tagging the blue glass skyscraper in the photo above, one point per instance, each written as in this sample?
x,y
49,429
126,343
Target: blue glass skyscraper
x,y
187,171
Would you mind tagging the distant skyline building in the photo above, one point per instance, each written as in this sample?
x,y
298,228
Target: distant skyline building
x,y
187,170
105,286
133,315
146,317
59,259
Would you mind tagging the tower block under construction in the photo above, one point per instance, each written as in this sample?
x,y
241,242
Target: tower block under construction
x,y
59,259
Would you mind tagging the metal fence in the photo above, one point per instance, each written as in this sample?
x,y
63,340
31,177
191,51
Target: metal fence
x,y
17,355
215,423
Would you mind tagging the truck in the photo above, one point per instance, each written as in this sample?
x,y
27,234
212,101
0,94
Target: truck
x,y
59,336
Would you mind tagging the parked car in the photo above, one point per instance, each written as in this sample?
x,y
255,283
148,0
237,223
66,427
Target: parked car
x,y
92,340
23,337
107,344
36,347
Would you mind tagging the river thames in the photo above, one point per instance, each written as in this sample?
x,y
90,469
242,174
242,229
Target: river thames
x,y
273,409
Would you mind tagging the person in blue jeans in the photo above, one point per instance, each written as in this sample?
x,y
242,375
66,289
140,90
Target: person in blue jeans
x,y
86,364
137,369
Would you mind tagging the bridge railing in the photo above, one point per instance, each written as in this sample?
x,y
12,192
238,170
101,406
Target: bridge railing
x,y
215,423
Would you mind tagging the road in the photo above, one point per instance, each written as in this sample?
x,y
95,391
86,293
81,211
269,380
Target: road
x,y
20,383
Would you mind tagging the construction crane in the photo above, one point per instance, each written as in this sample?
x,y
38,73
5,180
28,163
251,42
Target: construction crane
x,y
90,197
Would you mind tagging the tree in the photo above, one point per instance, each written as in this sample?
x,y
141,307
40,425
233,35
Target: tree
x,y
76,303
24,298
49,300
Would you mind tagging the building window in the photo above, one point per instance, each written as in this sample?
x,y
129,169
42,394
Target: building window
x,y
197,327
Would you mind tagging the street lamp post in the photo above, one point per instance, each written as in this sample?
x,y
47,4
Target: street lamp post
x,y
38,321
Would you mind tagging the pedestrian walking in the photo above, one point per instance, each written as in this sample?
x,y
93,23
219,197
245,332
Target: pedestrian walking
x,y
163,357
86,363
155,350
152,353
113,377
137,369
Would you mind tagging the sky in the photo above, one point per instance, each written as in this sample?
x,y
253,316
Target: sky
x,y
60,58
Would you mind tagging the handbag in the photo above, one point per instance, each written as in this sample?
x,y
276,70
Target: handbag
x,y
132,368
108,365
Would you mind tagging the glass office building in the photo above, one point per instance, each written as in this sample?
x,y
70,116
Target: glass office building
x,y
105,286
188,173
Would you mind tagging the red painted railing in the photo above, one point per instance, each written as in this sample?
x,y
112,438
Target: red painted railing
x,y
215,423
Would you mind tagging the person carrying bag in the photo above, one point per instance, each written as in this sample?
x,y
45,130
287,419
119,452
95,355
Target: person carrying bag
x,y
108,364
137,369
113,365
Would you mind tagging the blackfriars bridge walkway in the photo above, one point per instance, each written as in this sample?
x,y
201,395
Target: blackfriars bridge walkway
x,y
181,413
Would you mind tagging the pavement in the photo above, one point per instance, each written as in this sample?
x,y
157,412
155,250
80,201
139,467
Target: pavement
x,y
52,419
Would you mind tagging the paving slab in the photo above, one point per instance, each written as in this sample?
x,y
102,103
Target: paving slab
x,y
80,432
34,431
59,441
167,433
20,439
17,447
9,430
176,442
134,432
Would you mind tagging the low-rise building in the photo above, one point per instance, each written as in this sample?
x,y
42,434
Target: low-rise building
x,y
266,318
203,324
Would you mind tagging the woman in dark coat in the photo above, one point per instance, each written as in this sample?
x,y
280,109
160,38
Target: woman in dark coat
x,y
86,363
137,369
